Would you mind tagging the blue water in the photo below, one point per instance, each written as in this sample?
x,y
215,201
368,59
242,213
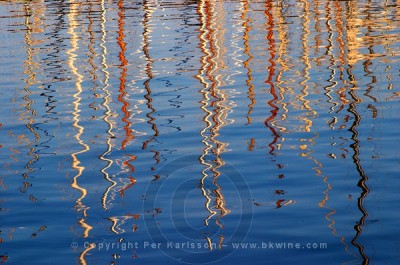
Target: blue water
x,y
195,132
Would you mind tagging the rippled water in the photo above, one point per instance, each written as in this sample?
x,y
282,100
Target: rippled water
x,y
199,125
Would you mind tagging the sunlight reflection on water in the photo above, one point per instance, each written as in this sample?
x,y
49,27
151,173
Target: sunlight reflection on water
x,y
197,125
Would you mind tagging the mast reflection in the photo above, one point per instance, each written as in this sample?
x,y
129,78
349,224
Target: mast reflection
x,y
31,67
123,67
146,36
363,177
72,55
214,106
271,74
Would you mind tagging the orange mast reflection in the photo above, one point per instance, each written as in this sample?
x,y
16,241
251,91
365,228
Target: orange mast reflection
x,y
271,73
123,67
247,50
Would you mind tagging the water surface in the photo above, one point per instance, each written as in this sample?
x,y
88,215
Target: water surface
x,y
197,125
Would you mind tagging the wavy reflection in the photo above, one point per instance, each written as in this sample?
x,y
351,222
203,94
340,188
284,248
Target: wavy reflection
x,y
363,177
247,50
123,67
271,73
205,107
214,106
309,85
106,104
82,256
30,70
329,89
307,148
283,66
76,163
146,37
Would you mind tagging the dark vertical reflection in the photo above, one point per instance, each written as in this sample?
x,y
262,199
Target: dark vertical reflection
x,y
331,215
367,63
148,10
271,74
355,146
30,71
342,53
363,177
329,52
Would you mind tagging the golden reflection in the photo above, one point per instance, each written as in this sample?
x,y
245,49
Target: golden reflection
x,y
306,62
72,55
329,89
30,70
214,105
342,52
204,106
82,256
284,67
92,53
118,221
277,37
105,103
331,17
343,40
84,225
380,21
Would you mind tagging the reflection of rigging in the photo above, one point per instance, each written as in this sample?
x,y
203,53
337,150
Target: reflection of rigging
x,y
307,151
246,63
72,54
148,10
363,177
107,113
82,256
31,79
282,51
123,67
211,81
328,89
271,73
204,106
124,62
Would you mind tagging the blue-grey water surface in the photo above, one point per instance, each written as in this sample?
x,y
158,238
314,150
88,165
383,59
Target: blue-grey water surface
x,y
234,132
